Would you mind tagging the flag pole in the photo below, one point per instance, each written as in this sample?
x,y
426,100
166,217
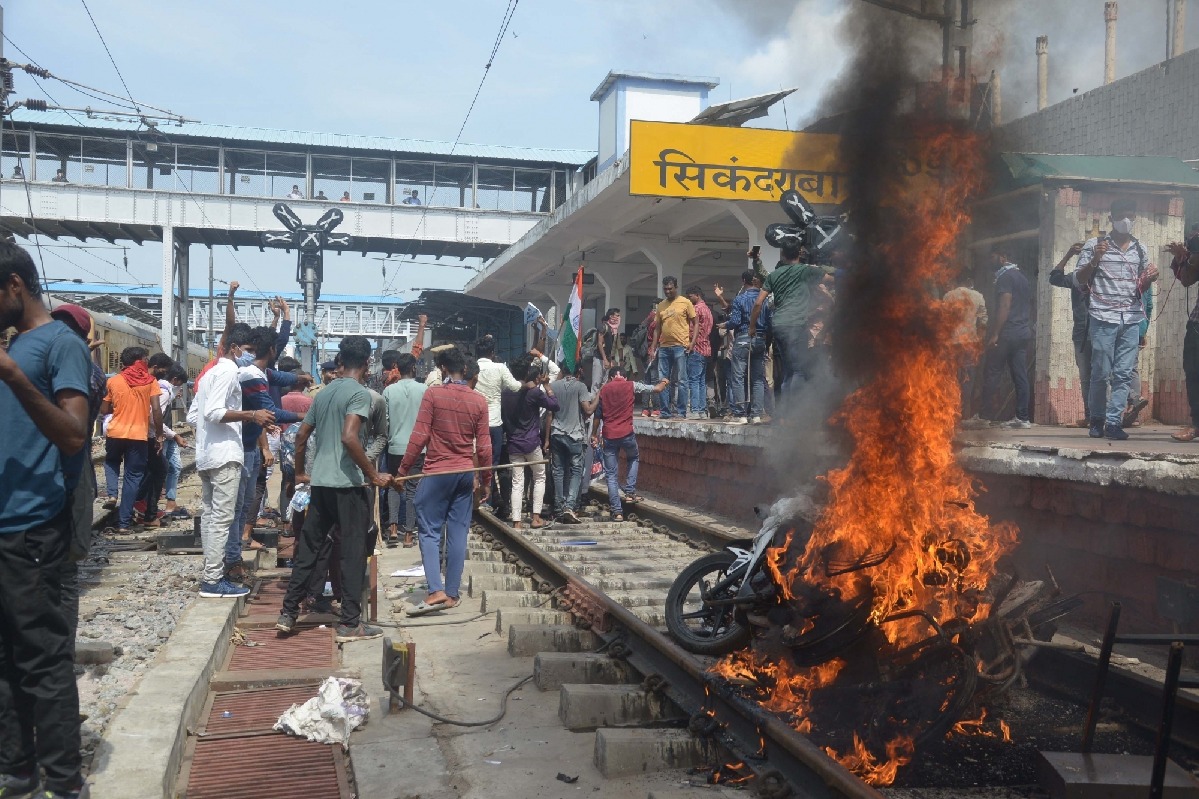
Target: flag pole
x,y
579,333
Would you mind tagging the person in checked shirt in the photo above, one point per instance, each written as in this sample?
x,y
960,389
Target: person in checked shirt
x,y
1117,271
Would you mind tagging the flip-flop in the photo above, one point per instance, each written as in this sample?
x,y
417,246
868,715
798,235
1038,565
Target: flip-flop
x,y
425,607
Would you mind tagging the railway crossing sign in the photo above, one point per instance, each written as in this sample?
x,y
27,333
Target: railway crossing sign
x,y
310,241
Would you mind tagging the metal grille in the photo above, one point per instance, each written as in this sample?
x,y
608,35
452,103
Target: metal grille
x,y
273,765
253,710
305,649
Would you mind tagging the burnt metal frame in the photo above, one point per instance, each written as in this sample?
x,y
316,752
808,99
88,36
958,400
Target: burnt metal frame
x,y
1173,682
773,750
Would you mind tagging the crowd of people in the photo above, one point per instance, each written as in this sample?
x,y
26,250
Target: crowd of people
x,y
1112,306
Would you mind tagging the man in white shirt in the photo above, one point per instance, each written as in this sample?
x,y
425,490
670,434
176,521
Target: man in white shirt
x,y
216,416
494,379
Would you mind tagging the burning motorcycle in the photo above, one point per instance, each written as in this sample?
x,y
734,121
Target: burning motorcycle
x,y
748,601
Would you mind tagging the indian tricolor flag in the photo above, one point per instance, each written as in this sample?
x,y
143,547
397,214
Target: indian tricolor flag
x,y
572,338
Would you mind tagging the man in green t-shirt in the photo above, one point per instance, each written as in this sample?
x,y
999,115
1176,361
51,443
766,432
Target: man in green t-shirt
x,y
792,284
341,474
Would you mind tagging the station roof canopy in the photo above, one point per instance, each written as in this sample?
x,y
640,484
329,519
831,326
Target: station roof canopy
x,y
240,135
1026,169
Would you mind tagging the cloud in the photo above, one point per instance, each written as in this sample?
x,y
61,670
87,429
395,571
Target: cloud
x,y
801,50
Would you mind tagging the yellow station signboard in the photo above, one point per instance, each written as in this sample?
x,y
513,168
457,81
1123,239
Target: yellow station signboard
x,y
669,159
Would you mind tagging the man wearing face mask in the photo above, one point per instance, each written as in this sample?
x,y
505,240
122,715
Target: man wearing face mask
x,y
216,415
1117,271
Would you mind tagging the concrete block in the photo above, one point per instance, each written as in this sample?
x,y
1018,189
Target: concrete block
x,y
486,556
621,753
94,652
514,599
588,707
526,640
1067,775
553,670
491,567
498,582
506,617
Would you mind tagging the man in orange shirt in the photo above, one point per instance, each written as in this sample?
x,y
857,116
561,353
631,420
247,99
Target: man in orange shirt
x,y
132,401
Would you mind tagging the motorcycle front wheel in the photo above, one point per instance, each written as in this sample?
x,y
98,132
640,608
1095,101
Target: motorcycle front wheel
x,y
698,626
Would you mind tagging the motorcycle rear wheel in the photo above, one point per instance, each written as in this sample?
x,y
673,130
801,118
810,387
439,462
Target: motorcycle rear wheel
x,y
699,627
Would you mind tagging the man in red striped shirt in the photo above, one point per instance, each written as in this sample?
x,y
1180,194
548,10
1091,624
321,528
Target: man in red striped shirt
x,y
452,429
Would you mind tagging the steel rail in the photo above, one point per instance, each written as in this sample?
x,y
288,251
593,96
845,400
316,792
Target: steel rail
x,y
776,753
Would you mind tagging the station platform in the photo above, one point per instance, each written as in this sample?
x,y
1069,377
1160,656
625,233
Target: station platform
x,y
1119,520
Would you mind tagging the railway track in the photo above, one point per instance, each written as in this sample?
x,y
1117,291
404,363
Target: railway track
x,y
613,577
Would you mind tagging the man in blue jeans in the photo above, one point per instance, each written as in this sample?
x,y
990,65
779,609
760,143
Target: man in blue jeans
x,y
568,442
699,355
451,429
615,411
749,354
674,340
1117,271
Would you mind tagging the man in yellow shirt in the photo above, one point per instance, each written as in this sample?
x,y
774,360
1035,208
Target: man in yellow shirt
x,y
674,339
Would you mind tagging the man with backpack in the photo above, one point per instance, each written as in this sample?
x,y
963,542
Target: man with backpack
x,y
1117,271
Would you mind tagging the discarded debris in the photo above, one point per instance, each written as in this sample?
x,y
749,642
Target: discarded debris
x,y
340,707
568,780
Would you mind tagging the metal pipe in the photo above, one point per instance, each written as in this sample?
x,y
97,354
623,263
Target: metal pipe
x,y
1161,748
1109,49
1105,659
996,99
211,302
1042,72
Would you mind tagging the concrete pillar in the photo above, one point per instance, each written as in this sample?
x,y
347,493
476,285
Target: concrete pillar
x,y
1178,40
616,289
668,259
183,300
1042,72
1109,48
168,288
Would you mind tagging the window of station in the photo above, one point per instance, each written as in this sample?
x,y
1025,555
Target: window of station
x,y
497,189
434,184
532,187
14,155
55,153
153,164
284,171
197,169
245,173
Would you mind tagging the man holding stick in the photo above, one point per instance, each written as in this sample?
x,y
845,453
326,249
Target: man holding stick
x,y
452,430
341,474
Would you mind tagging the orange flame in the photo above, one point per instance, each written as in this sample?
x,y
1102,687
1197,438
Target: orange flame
x,y
977,727
872,771
903,487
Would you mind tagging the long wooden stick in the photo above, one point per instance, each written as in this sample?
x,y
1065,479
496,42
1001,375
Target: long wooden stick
x,y
468,471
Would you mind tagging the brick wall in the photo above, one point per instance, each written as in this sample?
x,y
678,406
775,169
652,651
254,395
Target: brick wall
x,y
1149,113
1111,540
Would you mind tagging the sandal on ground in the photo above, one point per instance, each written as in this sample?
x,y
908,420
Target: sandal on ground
x,y
428,607
251,544
1186,434
632,499
409,541
618,517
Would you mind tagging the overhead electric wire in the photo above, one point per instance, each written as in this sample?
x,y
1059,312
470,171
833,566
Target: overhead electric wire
x,y
28,198
110,58
175,173
495,49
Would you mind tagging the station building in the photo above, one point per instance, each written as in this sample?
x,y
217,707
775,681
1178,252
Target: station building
x,y
682,188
